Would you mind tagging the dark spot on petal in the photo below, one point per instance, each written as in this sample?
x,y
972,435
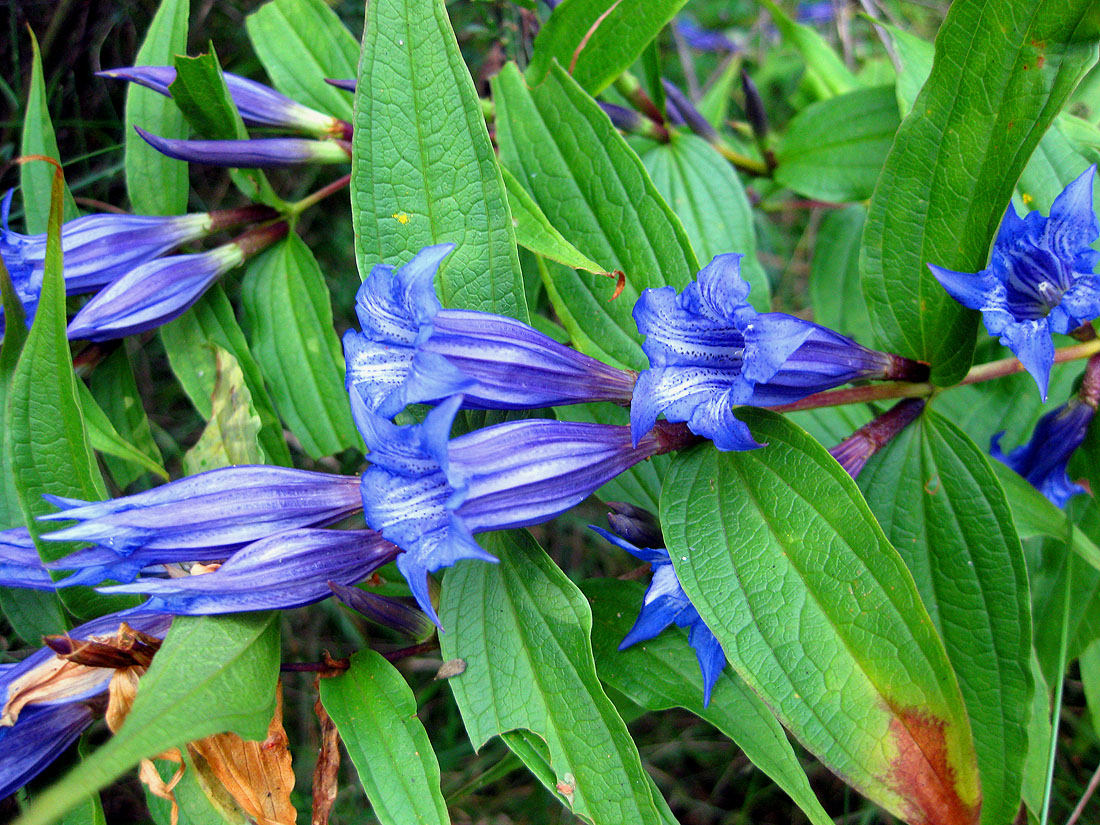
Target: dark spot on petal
x,y
922,775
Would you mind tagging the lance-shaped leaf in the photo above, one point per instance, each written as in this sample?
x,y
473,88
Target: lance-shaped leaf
x,y
211,675
300,43
663,673
375,712
232,432
289,315
818,614
157,184
939,502
707,196
46,442
826,73
591,186
423,169
1001,73
523,630
38,139
597,40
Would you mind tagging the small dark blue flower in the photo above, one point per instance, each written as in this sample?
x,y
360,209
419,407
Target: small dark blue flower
x,y
429,495
205,516
1042,461
258,104
701,39
251,153
666,603
1039,280
285,570
412,350
709,351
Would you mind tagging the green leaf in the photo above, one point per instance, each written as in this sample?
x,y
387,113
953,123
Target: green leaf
x,y
915,58
834,149
33,614
188,340
663,673
535,233
708,198
103,436
300,43
39,139
1054,165
940,504
818,614
826,73
375,712
116,392
232,434
523,630
212,675
157,184
1038,742
1002,72
423,169
1033,515
46,443
591,186
596,41
834,274
201,94
289,317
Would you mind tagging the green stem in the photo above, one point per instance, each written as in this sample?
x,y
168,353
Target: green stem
x,y
1056,714
902,389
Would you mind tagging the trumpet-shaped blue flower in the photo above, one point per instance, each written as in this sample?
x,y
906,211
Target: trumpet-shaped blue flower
x,y
251,153
412,350
205,516
258,104
1042,461
429,495
666,603
285,570
42,734
97,249
1039,280
709,350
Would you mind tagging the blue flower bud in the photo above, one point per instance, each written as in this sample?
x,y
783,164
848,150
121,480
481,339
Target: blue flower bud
x,y
258,104
20,565
252,153
411,350
1039,280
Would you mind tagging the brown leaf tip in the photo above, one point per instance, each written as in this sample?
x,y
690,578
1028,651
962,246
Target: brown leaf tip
x,y
922,773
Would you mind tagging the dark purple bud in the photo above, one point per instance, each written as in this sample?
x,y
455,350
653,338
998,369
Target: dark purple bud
x,y
639,527
345,84
686,112
754,107
257,153
853,452
385,611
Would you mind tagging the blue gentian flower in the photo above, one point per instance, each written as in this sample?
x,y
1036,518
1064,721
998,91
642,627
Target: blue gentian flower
x,y
258,104
203,517
666,603
285,570
1039,280
162,290
429,495
1042,461
412,350
709,350
42,713
251,153
701,39
20,565
97,249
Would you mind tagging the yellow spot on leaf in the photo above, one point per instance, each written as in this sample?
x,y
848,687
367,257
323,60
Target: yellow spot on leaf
x,y
402,217
1027,199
